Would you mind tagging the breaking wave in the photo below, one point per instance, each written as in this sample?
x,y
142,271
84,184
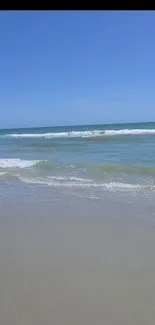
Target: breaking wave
x,y
109,168
82,134
17,163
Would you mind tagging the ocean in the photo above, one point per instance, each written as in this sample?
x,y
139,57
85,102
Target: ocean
x,y
88,159
77,225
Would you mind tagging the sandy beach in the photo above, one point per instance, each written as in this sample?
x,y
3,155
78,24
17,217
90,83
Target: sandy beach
x,y
77,262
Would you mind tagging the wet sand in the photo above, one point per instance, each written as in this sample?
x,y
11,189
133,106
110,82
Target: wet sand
x,y
71,262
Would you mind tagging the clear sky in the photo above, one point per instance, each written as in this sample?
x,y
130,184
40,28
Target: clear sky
x,y
76,67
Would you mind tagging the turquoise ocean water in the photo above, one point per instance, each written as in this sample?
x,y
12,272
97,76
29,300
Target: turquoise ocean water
x,y
116,157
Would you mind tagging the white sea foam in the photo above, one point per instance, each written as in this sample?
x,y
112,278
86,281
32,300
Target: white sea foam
x,y
2,173
76,179
74,182
17,163
82,134
130,131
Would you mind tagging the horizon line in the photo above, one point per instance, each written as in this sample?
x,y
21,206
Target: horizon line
x,y
73,125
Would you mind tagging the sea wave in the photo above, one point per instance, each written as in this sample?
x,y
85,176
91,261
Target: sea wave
x,y
84,183
91,167
17,163
75,182
3,173
82,134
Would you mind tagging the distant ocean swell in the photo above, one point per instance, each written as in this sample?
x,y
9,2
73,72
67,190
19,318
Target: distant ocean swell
x,y
81,134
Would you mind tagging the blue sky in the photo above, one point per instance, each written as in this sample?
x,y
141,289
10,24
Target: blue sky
x,y
76,67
